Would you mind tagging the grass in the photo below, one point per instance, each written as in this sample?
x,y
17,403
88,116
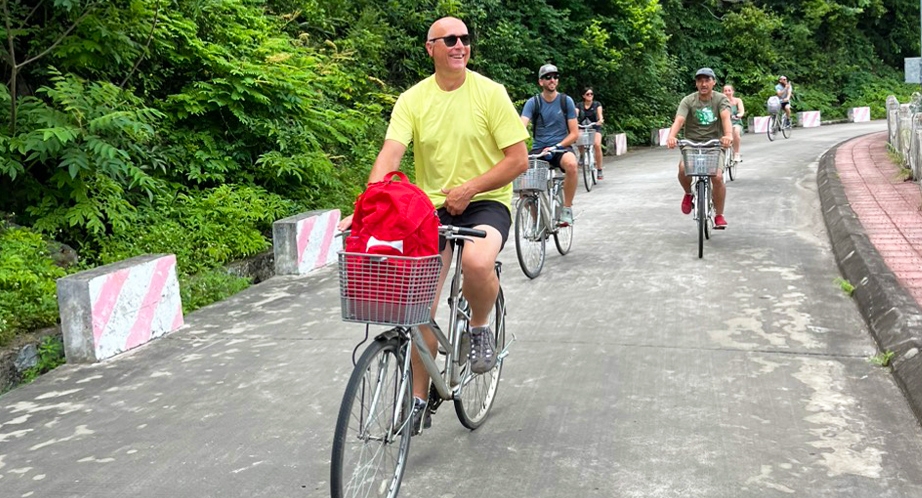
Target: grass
x,y
845,285
882,359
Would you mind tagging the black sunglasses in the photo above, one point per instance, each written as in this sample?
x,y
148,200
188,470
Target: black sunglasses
x,y
550,77
452,40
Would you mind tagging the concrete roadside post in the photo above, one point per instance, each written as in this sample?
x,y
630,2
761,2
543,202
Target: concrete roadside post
x,y
113,308
893,107
305,242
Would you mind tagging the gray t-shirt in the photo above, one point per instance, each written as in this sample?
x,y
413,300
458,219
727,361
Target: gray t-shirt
x,y
702,118
551,128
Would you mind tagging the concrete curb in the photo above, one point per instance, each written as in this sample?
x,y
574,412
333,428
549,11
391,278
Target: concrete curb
x,y
893,316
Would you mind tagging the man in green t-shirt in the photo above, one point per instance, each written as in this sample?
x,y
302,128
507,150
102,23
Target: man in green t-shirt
x,y
705,115
468,146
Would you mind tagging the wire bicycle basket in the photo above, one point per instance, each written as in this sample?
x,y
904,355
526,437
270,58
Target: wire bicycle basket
x,y
586,137
701,161
534,178
387,290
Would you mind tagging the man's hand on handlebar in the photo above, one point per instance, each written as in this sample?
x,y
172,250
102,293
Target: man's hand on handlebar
x,y
344,224
671,142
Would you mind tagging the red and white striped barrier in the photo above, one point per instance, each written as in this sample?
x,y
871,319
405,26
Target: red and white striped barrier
x,y
859,114
621,144
759,124
113,308
305,242
809,119
659,136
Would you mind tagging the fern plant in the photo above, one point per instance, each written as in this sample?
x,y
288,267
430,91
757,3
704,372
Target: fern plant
x,y
80,154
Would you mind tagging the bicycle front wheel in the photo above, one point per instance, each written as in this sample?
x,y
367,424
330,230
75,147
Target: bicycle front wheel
x,y
786,129
585,166
730,165
772,127
478,391
702,214
592,166
373,430
563,235
529,236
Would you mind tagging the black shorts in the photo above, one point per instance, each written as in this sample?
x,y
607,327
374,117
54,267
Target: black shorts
x,y
785,104
491,213
555,159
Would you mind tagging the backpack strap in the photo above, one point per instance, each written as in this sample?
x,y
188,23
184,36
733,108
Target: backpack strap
x,y
563,107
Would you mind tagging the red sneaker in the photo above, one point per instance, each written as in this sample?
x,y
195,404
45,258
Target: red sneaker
x,y
687,203
719,222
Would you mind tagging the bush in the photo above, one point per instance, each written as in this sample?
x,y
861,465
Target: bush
x,y
28,295
208,287
204,229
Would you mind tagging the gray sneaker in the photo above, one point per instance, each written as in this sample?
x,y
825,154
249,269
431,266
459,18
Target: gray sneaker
x,y
566,216
483,350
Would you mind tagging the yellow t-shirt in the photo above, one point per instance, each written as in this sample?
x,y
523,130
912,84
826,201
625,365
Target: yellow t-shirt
x,y
456,135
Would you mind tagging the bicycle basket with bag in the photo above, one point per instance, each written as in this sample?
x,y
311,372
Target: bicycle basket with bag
x,y
773,105
390,268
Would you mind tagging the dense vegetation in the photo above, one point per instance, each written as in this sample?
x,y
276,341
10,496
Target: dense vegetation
x,y
188,126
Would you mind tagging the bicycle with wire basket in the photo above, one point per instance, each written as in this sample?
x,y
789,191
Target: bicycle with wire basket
x,y
701,163
537,215
778,120
586,143
371,442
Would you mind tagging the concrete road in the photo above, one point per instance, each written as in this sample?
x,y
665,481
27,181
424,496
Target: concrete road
x,y
640,371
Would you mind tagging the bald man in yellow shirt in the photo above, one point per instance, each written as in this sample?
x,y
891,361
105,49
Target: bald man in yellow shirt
x,y
469,145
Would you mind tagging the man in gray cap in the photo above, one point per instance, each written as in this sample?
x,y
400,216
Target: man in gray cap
x,y
554,115
705,115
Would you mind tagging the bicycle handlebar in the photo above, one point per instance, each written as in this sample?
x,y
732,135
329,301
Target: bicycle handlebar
x,y
450,231
710,144
586,126
552,150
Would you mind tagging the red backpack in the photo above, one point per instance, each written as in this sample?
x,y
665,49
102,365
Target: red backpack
x,y
394,218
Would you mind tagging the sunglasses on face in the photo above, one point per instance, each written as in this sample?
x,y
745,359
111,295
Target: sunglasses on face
x,y
452,40
588,94
550,77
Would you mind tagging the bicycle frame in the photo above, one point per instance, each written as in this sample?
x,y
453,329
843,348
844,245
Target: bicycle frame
x,y
448,383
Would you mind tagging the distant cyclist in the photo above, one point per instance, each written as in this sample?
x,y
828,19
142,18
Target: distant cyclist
x,y
785,90
705,115
554,115
737,110
590,111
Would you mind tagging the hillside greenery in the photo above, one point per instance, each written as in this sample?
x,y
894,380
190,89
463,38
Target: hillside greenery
x,y
188,126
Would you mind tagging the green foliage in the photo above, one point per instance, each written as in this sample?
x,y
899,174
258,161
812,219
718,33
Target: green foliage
x,y
50,356
846,286
204,229
882,359
28,298
207,287
80,156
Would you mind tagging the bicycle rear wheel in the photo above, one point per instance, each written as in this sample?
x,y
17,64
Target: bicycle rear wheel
x,y
373,430
786,129
772,127
702,214
478,391
585,168
529,236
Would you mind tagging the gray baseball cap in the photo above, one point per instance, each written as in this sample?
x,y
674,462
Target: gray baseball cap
x,y
706,71
547,69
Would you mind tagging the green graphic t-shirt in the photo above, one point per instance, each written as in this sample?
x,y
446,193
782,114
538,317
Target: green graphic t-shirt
x,y
702,118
